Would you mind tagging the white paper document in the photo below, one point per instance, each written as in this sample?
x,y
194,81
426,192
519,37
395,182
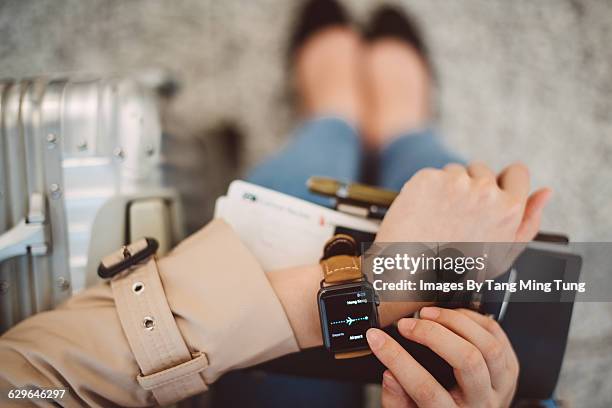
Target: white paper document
x,y
281,230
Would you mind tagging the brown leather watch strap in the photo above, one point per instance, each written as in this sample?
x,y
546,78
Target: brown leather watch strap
x,y
341,268
340,244
352,354
340,261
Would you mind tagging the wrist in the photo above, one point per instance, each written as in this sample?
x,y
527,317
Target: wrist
x,y
297,289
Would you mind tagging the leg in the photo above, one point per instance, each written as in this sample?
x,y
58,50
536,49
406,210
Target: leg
x,y
326,82
398,86
409,153
325,78
324,147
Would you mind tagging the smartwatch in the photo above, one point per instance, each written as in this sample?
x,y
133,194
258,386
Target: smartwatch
x,y
348,304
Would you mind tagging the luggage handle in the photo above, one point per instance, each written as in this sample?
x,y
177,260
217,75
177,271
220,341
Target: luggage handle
x,y
28,235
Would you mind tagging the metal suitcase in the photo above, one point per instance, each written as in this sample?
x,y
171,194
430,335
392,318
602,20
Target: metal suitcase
x,y
79,177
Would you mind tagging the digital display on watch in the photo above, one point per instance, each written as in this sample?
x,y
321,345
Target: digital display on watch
x,y
346,314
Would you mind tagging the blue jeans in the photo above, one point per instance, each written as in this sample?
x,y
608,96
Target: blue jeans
x,y
331,147
325,147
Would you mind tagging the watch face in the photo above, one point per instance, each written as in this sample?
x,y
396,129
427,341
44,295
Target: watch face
x,y
347,312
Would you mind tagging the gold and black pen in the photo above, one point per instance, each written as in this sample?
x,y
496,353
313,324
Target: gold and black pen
x,y
354,198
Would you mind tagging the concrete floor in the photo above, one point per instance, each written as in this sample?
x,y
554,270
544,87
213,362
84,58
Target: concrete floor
x,y
518,80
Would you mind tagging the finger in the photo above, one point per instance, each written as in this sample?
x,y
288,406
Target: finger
x,y
514,180
393,395
467,361
491,349
495,329
417,382
532,216
487,323
454,168
479,170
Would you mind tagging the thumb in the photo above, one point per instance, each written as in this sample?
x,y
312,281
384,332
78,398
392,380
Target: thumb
x,y
530,224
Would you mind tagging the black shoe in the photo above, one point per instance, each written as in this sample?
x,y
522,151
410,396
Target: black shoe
x,y
389,21
315,15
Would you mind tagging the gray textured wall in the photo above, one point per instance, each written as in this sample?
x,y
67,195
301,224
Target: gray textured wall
x,y
518,80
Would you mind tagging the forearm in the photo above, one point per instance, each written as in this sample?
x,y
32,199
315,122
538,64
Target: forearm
x,y
222,303
297,288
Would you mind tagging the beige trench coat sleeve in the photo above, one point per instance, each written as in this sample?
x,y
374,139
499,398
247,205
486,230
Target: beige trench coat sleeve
x,y
220,297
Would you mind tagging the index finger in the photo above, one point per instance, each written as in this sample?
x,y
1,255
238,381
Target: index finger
x,y
418,383
514,180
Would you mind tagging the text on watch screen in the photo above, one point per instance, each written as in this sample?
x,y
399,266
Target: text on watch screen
x,y
348,319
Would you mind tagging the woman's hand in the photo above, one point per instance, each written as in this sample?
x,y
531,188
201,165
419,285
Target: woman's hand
x,y
456,204
477,348
459,204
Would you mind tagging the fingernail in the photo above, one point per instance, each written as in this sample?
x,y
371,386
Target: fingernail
x,y
391,384
406,324
376,338
429,312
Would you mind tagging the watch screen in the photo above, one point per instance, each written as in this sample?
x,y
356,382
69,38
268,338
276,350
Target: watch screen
x,y
349,314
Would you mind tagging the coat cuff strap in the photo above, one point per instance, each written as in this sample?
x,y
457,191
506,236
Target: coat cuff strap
x,y
167,367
